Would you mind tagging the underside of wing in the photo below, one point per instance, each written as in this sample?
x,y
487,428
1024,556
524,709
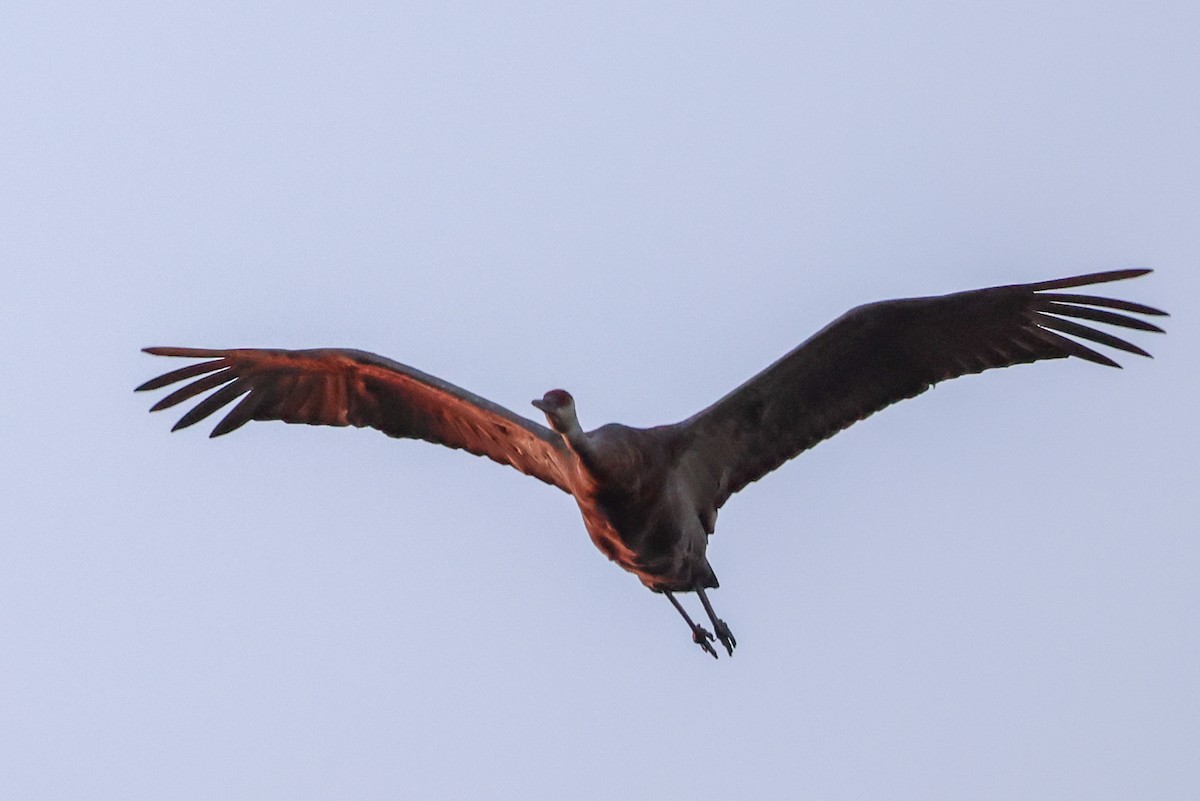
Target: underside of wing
x,y
339,387
881,353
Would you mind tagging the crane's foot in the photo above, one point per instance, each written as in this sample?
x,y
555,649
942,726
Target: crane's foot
x,y
725,635
700,635
703,638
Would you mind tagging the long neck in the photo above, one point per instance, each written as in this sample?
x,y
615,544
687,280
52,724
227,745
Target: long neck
x,y
581,445
576,439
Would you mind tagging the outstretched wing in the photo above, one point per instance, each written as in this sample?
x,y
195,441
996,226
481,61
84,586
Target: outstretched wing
x,y
881,353
336,387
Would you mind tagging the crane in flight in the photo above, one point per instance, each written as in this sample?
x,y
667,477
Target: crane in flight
x,y
650,496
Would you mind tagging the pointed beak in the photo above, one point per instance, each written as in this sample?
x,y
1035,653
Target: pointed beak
x,y
539,404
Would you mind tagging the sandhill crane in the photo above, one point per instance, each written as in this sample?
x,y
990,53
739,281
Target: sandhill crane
x,y
650,496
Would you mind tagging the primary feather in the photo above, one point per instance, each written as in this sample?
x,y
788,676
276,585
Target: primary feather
x,y
649,497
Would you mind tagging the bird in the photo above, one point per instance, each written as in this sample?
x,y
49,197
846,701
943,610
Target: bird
x,y
649,497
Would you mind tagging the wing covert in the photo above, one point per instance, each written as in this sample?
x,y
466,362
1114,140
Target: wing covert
x,y
340,387
881,353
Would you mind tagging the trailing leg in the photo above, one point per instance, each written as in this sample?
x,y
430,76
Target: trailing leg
x,y
700,635
723,633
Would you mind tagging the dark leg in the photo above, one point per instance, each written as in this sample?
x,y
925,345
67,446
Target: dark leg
x,y
700,635
723,632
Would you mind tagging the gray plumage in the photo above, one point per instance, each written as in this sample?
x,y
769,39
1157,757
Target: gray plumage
x,y
650,497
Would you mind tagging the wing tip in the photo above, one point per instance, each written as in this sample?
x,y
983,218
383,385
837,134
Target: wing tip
x,y
189,353
1089,279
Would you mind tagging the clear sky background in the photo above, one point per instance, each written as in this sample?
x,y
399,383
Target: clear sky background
x,y
990,592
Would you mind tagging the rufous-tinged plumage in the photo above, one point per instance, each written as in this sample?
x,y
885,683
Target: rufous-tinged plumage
x,y
649,497
339,387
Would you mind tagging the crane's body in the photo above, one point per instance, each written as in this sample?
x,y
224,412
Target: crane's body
x,y
642,509
650,496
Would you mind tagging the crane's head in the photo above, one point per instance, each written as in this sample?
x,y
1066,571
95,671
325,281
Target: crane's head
x,y
559,408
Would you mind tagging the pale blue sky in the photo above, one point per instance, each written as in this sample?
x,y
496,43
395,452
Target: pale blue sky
x,y
645,205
